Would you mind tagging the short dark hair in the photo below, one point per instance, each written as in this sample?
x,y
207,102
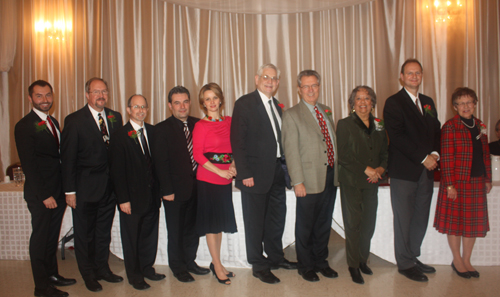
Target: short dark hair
x,y
308,73
217,91
87,84
40,83
408,61
370,92
130,99
178,90
463,92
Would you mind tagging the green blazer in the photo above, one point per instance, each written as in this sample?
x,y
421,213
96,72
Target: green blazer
x,y
359,147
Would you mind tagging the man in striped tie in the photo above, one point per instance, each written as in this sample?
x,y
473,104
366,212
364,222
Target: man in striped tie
x,y
176,171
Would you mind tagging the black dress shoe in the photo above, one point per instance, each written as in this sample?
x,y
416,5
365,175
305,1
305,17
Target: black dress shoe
x,y
60,281
50,292
356,275
141,286
225,281
93,285
414,274
285,264
266,276
461,274
110,278
474,274
198,270
309,276
424,268
184,277
155,276
327,272
365,269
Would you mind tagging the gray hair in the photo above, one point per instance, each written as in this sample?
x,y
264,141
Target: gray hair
x,y
308,73
370,91
87,84
269,65
130,99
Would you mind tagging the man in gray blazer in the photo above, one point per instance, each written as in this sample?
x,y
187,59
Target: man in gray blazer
x,y
310,146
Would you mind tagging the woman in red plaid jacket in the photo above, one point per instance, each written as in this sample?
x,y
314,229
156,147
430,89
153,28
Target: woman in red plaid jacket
x,y
461,210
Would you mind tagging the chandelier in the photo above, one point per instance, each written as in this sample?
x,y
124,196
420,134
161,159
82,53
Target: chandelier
x,y
445,11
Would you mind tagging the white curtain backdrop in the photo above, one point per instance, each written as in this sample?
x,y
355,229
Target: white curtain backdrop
x,y
149,46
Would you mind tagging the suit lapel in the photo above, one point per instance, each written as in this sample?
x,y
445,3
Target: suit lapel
x,y
306,114
96,132
261,110
412,105
135,142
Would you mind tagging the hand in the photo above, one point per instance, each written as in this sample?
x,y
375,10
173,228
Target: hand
x,y
225,174
232,169
50,203
488,187
373,175
125,207
248,182
169,197
430,162
452,193
300,190
71,200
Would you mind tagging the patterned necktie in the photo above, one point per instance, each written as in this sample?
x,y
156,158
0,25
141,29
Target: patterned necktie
x,y
189,140
277,125
145,149
417,103
54,131
104,131
324,130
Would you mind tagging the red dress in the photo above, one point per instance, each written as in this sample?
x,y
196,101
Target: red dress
x,y
467,215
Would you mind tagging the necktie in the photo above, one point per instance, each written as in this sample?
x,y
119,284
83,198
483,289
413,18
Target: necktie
x,y
324,130
54,131
418,106
277,125
189,140
145,148
104,131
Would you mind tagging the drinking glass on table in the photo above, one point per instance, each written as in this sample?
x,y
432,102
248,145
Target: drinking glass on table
x,y
18,176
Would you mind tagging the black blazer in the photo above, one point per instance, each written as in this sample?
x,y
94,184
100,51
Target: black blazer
x,y
253,142
412,136
172,161
84,154
129,170
40,159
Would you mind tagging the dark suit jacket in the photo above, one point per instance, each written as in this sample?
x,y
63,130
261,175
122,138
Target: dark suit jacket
x,y
129,170
172,160
40,159
84,154
253,143
412,136
495,148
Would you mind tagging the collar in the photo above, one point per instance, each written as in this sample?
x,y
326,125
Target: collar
x,y
41,114
413,97
136,126
264,98
95,112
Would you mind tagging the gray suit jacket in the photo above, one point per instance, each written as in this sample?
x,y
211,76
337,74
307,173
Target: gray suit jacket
x,y
305,148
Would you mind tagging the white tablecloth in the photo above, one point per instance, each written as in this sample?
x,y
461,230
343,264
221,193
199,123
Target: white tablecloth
x,y
435,249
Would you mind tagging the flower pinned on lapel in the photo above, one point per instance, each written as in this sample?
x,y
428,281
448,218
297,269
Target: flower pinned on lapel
x,y
328,112
281,105
482,129
40,126
379,124
111,118
428,111
133,134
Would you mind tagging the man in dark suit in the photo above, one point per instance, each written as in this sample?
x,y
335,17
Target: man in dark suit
x,y
309,143
257,151
37,139
414,134
87,184
136,188
495,145
176,171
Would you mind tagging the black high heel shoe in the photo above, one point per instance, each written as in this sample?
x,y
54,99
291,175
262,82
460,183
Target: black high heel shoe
x,y
461,274
222,281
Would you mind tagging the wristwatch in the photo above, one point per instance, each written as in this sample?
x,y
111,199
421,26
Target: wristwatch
x,y
450,187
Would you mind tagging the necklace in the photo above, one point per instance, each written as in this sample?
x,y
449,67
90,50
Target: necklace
x,y
215,120
470,127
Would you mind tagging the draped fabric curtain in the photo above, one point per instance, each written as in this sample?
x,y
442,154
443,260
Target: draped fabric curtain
x,y
150,46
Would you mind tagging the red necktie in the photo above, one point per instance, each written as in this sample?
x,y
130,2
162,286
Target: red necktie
x,y
324,130
54,131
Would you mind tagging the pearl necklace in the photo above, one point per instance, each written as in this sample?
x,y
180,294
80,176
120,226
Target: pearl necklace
x,y
470,127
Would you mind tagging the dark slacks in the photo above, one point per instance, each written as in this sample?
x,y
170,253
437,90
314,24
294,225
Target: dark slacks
x,y
92,222
264,217
140,243
313,226
182,238
46,226
359,211
411,203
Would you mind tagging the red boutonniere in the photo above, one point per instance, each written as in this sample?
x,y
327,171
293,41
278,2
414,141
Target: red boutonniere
x,y
111,118
328,112
429,111
281,105
379,124
133,134
40,126
482,129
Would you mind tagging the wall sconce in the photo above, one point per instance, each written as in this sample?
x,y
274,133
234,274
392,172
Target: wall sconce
x,y
445,11
54,30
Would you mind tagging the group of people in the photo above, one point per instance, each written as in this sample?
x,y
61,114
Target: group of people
x,y
97,163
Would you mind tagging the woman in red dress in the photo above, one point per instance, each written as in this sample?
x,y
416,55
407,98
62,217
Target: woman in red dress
x,y
212,151
461,210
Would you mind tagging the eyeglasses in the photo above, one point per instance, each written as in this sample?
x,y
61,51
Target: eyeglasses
x,y
137,107
464,104
98,92
314,87
267,78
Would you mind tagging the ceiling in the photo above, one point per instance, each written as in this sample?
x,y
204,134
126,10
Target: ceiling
x,y
267,6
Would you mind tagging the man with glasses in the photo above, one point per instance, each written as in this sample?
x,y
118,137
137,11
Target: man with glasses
x,y
310,146
87,184
257,151
136,188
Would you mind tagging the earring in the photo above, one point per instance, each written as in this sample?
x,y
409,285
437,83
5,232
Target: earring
x,y
353,110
